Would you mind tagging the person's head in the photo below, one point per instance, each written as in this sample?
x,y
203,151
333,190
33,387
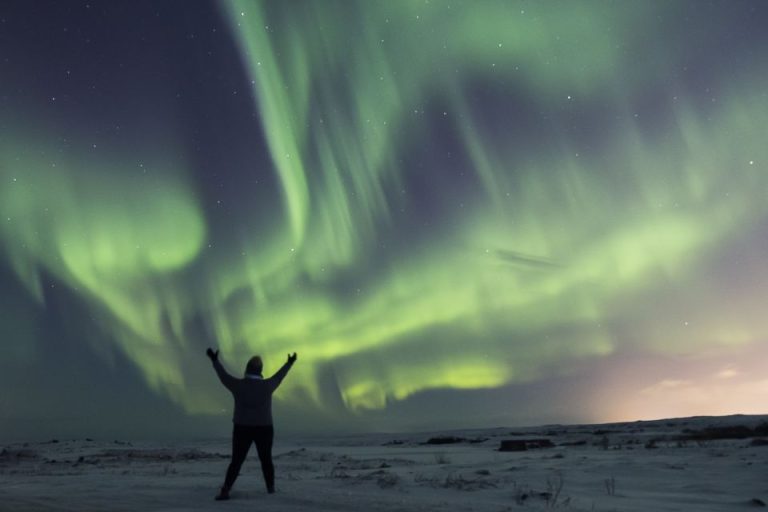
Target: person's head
x,y
254,366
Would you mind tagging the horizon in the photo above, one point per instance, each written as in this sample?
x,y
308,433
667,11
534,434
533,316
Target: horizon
x,y
288,435
456,214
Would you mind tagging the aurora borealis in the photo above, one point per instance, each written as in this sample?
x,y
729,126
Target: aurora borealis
x,y
528,211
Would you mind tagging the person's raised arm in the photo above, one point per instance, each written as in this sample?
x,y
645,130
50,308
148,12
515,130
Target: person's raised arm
x,y
224,377
278,377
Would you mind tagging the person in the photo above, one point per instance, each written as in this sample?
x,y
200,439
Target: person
x,y
252,416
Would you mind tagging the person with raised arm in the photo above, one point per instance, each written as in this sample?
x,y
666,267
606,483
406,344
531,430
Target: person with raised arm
x,y
252,417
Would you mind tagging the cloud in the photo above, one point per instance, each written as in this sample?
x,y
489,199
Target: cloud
x,y
729,372
666,385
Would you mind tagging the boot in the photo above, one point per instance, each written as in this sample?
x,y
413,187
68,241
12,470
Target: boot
x,y
223,494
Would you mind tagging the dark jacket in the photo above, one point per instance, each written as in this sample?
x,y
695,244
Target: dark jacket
x,y
253,396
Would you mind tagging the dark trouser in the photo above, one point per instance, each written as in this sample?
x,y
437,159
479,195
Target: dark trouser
x,y
242,437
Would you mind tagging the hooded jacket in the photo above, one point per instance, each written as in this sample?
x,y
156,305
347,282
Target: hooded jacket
x,y
252,394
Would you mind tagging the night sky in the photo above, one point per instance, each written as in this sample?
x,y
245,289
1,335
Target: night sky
x,y
458,213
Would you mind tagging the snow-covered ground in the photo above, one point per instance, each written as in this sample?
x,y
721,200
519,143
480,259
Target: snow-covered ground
x,y
640,466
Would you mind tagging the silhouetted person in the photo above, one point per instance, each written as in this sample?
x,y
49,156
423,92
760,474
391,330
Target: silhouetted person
x,y
253,416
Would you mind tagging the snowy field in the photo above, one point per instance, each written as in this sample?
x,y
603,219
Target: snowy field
x,y
696,464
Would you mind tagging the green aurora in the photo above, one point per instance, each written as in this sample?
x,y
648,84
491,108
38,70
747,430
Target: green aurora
x,y
462,195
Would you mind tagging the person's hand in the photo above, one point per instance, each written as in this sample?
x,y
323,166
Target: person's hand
x,y
214,356
292,357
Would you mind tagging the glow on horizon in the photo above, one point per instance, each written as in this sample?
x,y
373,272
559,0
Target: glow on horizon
x,y
671,398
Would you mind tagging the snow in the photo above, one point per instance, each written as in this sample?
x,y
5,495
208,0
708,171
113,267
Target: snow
x,y
639,466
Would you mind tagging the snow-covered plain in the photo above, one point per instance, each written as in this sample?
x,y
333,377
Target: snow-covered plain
x,y
660,465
